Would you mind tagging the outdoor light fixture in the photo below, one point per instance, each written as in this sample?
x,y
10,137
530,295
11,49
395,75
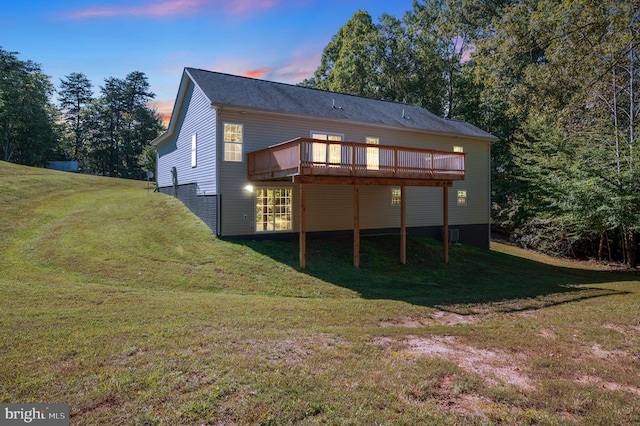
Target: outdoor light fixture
x,y
248,188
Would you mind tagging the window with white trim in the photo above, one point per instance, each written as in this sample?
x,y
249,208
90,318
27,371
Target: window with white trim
x,y
273,210
320,152
373,155
233,137
194,150
396,196
462,197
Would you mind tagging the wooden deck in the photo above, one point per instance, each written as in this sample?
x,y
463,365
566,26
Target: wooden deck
x,y
312,161
307,160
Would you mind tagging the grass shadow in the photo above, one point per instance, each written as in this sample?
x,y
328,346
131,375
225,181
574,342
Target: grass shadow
x,y
473,281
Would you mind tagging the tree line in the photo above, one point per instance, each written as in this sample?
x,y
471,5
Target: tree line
x,y
106,134
556,80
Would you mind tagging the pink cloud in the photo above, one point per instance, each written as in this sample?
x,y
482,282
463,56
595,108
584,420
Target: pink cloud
x,y
291,70
163,109
169,8
259,73
302,64
300,67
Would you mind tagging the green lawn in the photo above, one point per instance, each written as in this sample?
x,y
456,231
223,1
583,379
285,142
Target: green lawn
x,y
122,304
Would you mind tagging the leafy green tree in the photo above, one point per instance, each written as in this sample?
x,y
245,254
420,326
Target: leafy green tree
x,y
148,159
28,133
573,83
417,59
346,65
412,68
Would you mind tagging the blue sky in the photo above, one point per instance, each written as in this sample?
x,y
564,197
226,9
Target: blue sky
x,y
279,40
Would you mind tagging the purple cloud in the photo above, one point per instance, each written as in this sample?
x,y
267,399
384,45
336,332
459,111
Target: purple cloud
x,y
170,8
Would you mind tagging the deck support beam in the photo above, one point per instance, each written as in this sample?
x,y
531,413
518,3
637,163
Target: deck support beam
x,y
356,226
303,232
445,220
403,225
303,181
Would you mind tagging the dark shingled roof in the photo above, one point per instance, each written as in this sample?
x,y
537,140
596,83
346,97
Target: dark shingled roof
x,y
243,92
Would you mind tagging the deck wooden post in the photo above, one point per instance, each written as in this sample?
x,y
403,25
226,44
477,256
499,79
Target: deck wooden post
x,y
445,219
356,226
303,234
403,225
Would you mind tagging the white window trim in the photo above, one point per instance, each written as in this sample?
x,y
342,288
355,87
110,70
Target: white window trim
x,y
255,206
194,150
373,153
327,134
398,199
241,143
326,152
460,197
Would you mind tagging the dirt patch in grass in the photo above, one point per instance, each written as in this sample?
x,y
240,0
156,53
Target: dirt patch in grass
x,y
291,350
438,318
548,334
611,386
598,351
405,322
105,405
493,366
452,318
625,329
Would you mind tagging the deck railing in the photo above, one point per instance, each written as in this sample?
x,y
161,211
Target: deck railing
x,y
337,158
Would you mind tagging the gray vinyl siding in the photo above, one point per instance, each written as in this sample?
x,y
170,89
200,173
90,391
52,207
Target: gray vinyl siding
x,y
330,207
199,118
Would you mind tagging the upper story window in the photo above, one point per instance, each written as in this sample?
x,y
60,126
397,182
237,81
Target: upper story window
x,y
324,136
233,137
321,154
194,150
373,155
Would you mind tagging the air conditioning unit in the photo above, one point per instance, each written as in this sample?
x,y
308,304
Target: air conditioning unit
x,y
454,236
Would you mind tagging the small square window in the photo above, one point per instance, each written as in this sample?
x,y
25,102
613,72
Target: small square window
x,y
396,196
462,197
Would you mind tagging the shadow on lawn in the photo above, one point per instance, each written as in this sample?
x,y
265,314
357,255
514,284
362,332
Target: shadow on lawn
x,y
474,281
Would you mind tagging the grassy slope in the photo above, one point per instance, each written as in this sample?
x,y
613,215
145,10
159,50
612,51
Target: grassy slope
x,y
119,302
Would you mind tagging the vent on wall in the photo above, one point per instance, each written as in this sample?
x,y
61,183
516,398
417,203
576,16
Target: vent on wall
x,y
454,236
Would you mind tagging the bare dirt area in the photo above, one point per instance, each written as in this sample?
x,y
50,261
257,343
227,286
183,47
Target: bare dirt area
x,y
437,318
494,367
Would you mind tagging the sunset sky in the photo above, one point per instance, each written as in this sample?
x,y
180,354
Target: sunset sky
x,y
278,40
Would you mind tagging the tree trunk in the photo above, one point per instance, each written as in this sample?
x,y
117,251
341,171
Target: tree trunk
x,y
601,245
630,244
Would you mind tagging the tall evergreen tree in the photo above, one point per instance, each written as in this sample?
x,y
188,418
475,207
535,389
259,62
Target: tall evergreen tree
x,y
74,95
121,125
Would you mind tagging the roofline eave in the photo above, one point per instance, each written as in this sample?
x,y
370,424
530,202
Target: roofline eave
x,y
490,138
